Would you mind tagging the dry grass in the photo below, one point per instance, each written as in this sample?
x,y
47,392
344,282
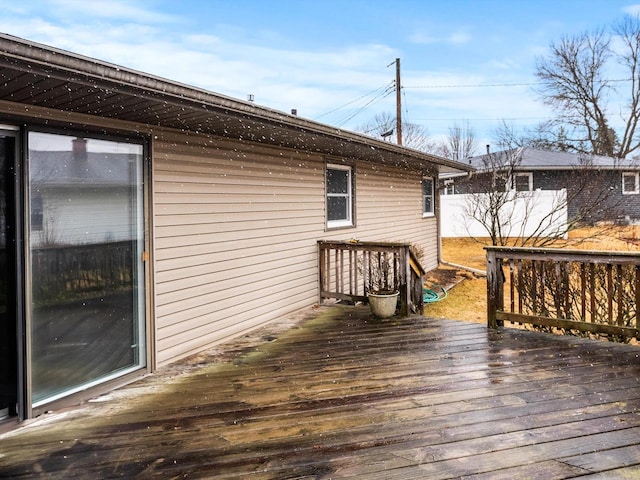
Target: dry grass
x,y
467,301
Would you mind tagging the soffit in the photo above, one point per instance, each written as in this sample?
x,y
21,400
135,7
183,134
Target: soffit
x,y
38,75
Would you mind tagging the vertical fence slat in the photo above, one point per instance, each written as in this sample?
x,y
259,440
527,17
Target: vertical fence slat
x,y
583,291
520,286
592,292
609,294
512,299
619,306
567,287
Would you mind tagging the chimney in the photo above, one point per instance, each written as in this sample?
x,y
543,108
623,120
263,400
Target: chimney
x,y
488,149
294,111
79,148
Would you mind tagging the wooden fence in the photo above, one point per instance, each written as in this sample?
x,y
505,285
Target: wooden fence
x,y
345,271
62,273
596,292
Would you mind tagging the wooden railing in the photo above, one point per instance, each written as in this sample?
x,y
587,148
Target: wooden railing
x,y
596,292
345,272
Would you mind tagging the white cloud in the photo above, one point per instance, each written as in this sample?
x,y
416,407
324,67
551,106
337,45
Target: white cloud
x,y
111,9
632,9
235,62
459,38
456,38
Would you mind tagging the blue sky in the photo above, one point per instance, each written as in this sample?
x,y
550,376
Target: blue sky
x,y
462,60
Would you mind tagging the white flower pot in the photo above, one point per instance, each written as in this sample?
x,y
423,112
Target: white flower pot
x,y
383,305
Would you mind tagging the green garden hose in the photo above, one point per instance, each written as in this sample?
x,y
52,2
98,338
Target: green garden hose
x,y
431,296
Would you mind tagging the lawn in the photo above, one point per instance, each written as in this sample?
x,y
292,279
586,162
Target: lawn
x,y
467,300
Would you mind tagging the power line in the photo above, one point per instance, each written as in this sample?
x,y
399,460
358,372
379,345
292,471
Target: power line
x,y
482,85
379,97
442,119
384,88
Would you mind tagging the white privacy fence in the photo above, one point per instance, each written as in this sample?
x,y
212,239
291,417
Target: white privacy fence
x,y
525,213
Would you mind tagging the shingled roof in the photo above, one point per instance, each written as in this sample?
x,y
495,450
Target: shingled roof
x,y
537,159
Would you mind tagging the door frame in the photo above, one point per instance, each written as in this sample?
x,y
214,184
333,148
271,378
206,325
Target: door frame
x,y
20,211
15,257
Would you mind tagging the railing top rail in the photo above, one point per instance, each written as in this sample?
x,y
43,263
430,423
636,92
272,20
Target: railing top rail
x,y
565,254
361,244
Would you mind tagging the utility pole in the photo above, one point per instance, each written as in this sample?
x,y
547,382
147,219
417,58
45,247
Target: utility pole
x,y
398,103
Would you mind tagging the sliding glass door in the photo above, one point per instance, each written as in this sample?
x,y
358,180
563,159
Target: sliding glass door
x,y
85,285
8,315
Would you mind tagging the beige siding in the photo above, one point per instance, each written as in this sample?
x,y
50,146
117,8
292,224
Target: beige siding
x,y
235,231
389,208
235,240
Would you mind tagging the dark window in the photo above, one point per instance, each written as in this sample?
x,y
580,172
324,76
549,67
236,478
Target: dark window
x,y
630,183
523,182
427,196
339,196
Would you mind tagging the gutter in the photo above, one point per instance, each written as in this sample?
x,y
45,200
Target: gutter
x,y
482,273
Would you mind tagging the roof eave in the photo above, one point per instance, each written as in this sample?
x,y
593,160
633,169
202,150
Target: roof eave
x,y
277,127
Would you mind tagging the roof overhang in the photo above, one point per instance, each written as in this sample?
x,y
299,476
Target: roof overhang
x,y
39,75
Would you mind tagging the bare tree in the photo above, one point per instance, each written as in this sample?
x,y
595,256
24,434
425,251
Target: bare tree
x,y
460,144
490,200
511,214
576,82
413,135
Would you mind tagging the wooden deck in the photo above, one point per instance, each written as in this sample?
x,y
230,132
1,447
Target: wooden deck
x,y
341,395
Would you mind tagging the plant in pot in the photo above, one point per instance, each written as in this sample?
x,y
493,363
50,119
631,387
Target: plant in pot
x,y
381,285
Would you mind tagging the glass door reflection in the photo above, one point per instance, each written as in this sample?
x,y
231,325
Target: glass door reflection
x,y
85,258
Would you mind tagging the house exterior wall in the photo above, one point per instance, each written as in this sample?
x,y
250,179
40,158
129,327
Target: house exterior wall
x,y
592,195
75,223
236,229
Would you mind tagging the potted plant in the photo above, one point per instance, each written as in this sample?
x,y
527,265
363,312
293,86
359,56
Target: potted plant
x,y
382,291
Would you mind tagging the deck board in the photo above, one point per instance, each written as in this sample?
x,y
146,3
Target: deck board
x,y
342,395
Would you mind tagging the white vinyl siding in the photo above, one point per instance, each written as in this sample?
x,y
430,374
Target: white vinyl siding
x,y
234,242
389,208
236,235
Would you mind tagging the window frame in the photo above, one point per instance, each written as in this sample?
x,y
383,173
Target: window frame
x,y
449,187
425,212
349,196
529,176
636,183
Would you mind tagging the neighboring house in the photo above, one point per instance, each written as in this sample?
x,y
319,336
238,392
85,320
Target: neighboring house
x,y
145,221
598,189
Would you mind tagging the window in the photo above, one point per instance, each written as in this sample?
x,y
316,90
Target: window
x,y
339,196
449,188
427,196
523,182
630,184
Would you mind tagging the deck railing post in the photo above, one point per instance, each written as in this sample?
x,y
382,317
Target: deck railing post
x,y
320,272
495,294
405,290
